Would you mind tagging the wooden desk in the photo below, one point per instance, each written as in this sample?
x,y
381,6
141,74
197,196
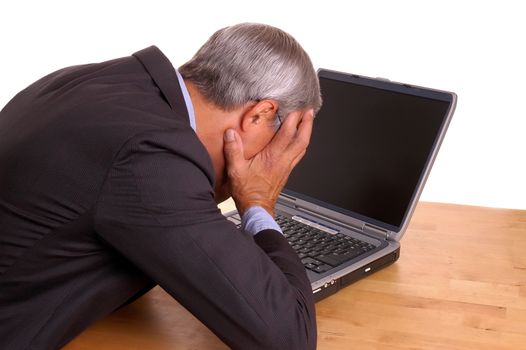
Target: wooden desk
x,y
460,283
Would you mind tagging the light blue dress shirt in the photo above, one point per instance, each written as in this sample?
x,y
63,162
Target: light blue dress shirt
x,y
255,219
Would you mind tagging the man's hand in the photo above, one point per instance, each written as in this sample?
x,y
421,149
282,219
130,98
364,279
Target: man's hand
x,y
258,181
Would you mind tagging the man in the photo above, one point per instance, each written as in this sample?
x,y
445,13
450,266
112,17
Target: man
x,y
110,175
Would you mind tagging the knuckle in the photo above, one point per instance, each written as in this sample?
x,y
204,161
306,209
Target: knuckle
x,y
300,145
232,173
303,142
289,133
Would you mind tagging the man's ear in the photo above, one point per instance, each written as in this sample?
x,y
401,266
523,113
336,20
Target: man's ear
x,y
260,114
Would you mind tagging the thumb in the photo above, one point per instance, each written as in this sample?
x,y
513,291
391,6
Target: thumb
x,y
233,148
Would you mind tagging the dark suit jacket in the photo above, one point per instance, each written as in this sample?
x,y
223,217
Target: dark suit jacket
x,y
105,191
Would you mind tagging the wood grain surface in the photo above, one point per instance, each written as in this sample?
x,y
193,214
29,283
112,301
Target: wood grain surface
x,y
460,283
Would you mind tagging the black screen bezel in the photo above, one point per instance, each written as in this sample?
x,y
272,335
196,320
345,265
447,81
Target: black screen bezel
x,y
383,84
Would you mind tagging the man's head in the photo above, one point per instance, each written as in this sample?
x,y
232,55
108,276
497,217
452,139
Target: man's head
x,y
253,62
242,78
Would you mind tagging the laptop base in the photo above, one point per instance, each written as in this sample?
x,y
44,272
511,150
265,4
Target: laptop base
x,y
335,285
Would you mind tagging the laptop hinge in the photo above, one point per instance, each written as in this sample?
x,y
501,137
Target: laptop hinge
x,y
335,221
286,199
376,231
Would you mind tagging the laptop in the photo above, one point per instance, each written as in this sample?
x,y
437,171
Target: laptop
x,y
348,202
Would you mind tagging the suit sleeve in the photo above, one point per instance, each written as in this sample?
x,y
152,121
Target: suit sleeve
x,y
157,209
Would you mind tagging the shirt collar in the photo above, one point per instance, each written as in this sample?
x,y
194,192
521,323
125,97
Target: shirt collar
x,y
187,100
165,77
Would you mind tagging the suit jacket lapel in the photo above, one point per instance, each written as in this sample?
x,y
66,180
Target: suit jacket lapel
x,y
163,73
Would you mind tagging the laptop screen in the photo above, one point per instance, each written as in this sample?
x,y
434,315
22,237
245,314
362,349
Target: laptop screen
x,y
369,148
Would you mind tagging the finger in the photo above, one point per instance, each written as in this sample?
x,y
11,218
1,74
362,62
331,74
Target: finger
x,y
303,134
288,129
297,159
299,143
233,149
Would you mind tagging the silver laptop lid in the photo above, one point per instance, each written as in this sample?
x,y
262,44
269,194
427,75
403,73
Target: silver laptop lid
x,y
373,145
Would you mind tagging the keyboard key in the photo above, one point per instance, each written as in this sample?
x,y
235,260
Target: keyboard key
x,y
318,250
310,266
302,255
322,268
309,260
338,259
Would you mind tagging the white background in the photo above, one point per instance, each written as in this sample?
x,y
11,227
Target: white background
x,y
474,48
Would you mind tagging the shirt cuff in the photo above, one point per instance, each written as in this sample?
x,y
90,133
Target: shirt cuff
x,y
256,219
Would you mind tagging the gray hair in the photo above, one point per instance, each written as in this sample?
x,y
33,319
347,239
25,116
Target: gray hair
x,y
252,62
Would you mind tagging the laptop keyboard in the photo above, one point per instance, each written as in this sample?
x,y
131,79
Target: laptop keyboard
x,y
318,250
